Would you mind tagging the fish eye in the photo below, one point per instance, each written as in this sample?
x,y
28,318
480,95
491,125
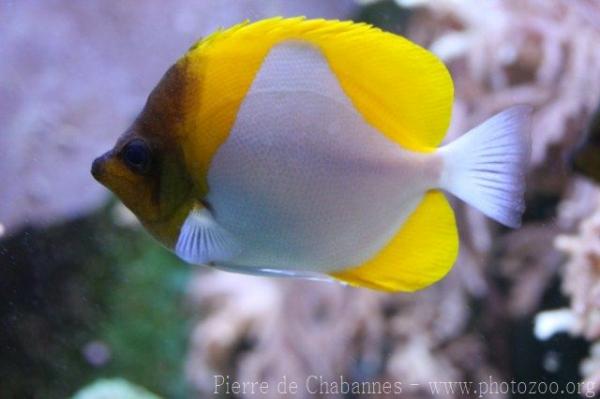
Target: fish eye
x,y
136,155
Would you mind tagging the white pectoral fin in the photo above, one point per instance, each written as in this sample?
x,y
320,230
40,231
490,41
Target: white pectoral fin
x,y
486,167
202,240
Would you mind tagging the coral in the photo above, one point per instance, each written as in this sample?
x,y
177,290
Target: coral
x,y
529,263
581,282
259,329
514,51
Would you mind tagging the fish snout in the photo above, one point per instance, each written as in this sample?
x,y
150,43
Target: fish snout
x,y
98,166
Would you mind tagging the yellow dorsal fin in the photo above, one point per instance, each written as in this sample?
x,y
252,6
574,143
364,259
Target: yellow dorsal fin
x,y
400,88
422,252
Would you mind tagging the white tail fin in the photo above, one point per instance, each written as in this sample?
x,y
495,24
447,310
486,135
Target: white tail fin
x,y
486,166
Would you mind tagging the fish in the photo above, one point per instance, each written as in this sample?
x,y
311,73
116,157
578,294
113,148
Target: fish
x,y
312,148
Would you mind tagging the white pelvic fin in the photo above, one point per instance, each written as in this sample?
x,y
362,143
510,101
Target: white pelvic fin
x,y
486,166
201,240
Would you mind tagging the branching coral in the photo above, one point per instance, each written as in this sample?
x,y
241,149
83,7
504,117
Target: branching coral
x,y
581,282
256,329
504,52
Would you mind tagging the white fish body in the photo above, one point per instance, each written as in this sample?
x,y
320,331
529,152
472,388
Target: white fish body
x,y
303,182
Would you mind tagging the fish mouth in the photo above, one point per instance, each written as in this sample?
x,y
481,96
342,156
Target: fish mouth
x,y
98,166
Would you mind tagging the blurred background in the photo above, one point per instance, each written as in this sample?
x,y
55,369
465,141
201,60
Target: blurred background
x,y
91,307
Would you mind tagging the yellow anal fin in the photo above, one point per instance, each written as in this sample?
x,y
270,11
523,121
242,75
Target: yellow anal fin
x,y
422,252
